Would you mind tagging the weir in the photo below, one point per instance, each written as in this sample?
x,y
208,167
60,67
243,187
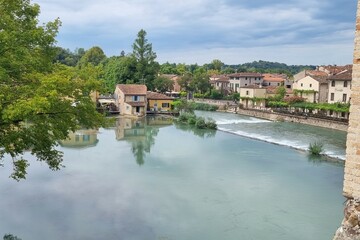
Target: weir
x,y
350,226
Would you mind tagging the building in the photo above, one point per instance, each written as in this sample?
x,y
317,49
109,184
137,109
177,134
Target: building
x,y
238,80
274,80
311,85
340,87
175,78
158,102
220,83
130,99
252,96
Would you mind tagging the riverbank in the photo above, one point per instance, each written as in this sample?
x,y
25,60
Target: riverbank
x,y
229,106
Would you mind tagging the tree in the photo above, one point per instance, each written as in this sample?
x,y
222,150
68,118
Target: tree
x,y
186,82
163,84
40,103
217,64
94,56
145,57
119,70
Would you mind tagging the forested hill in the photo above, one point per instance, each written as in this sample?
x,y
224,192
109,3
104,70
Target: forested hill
x,y
270,67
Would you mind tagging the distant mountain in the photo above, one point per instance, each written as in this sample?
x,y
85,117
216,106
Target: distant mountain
x,y
270,67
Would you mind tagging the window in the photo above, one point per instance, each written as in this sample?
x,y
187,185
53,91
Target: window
x,y
86,138
135,98
165,105
332,96
333,83
310,85
344,97
301,85
247,92
236,85
345,83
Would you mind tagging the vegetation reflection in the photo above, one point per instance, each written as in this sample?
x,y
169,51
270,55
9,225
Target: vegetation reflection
x,y
140,133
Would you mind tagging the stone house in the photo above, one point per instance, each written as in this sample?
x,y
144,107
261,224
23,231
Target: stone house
x,y
220,83
238,80
311,85
252,96
340,87
131,99
274,80
158,102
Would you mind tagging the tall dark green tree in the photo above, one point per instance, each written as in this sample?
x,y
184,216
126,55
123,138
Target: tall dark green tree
x,y
94,56
40,103
146,67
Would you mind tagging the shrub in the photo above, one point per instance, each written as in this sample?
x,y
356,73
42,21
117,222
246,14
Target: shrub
x,y
316,148
200,123
191,120
211,124
184,117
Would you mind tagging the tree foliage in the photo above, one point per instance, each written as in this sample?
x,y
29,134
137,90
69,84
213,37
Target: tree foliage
x,y
94,56
40,103
163,84
147,67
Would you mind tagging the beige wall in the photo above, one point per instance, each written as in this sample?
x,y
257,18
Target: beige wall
x,y
308,83
338,91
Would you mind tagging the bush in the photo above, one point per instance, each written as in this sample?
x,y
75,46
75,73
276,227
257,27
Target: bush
x,y
316,148
191,120
184,117
211,124
204,107
200,123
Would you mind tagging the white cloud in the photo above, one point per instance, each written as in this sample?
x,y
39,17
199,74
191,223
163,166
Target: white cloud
x,y
198,24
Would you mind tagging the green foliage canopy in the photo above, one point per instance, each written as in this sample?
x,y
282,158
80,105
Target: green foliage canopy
x,y
40,103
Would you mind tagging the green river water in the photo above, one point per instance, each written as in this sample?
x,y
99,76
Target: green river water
x,y
153,180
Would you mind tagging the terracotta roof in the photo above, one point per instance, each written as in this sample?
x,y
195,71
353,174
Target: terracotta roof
x,y
342,76
158,96
316,73
245,75
136,104
333,70
220,79
321,79
132,89
268,77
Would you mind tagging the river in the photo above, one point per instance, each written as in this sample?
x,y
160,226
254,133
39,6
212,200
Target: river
x,y
158,181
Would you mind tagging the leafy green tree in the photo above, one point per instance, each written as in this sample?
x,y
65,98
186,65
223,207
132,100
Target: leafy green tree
x,y
186,82
168,68
146,67
40,103
163,84
217,64
94,56
201,81
119,70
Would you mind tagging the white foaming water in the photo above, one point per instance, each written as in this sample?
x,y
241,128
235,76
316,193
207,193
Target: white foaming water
x,y
236,121
283,142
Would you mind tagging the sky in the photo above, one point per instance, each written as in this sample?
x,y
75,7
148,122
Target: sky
x,y
316,32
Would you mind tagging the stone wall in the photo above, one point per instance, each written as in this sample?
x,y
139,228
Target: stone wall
x,y
297,119
350,227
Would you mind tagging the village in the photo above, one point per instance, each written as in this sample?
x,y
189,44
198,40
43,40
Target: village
x,y
322,93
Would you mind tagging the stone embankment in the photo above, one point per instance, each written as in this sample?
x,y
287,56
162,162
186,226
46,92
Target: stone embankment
x,y
230,106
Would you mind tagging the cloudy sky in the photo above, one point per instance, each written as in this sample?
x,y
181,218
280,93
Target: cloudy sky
x,y
315,32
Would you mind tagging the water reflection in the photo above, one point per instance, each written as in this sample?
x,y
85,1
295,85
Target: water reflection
x,y
81,139
203,133
140,133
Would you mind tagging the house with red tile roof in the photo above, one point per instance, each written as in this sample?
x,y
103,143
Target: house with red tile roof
x,y
220,83
158,102
311,85
274,80
131,99
340,86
